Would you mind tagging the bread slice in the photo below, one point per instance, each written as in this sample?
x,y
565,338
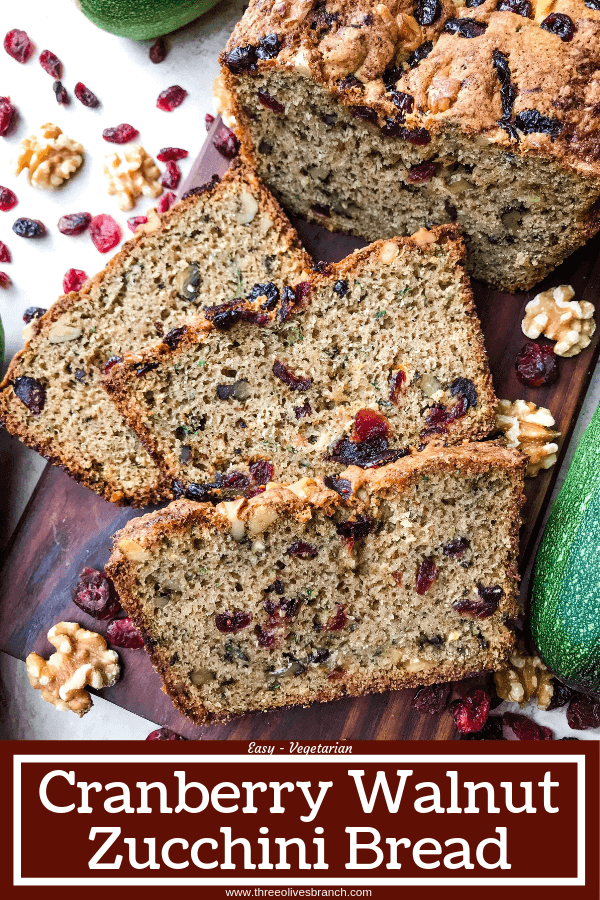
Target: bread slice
x,y
206,249
381,352
389,578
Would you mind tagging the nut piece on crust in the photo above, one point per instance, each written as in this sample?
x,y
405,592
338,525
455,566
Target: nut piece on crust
x,y
558,317
129,177
82,659
529,428
49,156
523,678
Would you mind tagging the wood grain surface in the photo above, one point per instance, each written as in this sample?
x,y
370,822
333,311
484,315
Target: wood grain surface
x,y
67,527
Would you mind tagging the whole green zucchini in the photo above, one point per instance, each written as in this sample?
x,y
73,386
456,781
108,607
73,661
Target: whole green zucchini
x,y
143,19
565,603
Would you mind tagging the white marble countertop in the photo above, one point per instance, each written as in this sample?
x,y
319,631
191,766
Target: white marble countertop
x,y
127,83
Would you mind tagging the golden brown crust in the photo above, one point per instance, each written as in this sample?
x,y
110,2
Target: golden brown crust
x,y
300,501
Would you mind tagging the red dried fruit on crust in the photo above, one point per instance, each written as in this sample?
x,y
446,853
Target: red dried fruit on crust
x,y
7,112
73,280
18,45
50,63
164,734
4,253
338,620
426,575
158,51
166,202
120,134
583,712
95,594
226,143
5,280
110,362
171,98
105,233
135,221
171,153
470,713
8,199
74,223
432,699
85,96
525,729
231,623
369,425
123,633
536,365
172,176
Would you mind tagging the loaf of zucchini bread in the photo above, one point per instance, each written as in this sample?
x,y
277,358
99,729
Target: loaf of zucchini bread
x,y
371,580
374,354
209,248
380,117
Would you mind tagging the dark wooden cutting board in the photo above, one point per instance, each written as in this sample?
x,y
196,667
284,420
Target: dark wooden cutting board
x,y
67,527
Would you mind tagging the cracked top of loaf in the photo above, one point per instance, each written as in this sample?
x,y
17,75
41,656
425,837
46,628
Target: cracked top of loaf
x,y
524,74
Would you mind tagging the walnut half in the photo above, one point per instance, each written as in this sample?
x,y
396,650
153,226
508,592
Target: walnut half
x,y
49,156
132,176
529,428
523,678
558,317
82,658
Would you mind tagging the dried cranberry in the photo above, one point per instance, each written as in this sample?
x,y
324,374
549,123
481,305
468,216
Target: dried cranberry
x,y
33,312
225,315
432,699
50,63
592,4
404,102
123,633
470,713
135,221
145,368
427,11
481,607
491,731
367,454
341,287
365,113
282,610
7,112
226,143
305,410
241,59
173,337
74,223
530,121
302,550
338,620
341,486
436,420
166,202
18,45
158,51
29,228
8,199
355,529
60,92
73,280
465,27
349,82
164,734
170,154
31,393
85,96
526,729
419,137
464,387
110,362
369,425
268,46
266,639
261,471
208,123
536,364
420,53
561,694
171,98
230,623
270,102
120,134
423,172
426,574
583,712
321,210
294,382
95,594
560,25
5,280
456,547
4,253
105,233
235,481
172,176
519,7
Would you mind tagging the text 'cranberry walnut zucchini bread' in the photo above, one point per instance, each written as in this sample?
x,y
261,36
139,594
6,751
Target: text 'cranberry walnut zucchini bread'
x,y
378,118
400,576
207,249
382,352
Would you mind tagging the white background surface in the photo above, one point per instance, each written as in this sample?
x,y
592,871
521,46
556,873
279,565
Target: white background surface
x,y
127,83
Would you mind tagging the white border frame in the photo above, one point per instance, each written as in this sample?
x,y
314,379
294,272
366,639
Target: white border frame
x,y
278,881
